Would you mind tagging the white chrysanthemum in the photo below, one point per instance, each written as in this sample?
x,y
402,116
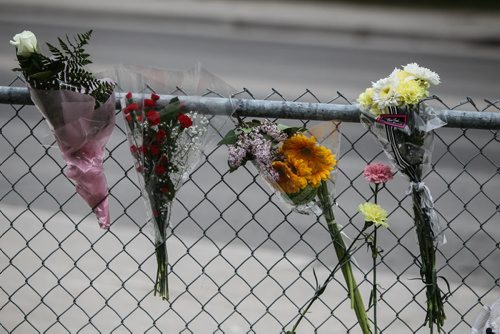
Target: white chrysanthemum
x,y
422,73
385,92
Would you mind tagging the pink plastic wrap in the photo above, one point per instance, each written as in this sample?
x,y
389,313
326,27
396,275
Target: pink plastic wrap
x,y
81,133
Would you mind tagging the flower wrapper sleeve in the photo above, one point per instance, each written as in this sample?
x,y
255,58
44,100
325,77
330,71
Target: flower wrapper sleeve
x,y
326,134
81,133
409,149
166,138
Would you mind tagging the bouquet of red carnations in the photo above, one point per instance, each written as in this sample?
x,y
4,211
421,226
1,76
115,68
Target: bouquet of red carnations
x,y
166,141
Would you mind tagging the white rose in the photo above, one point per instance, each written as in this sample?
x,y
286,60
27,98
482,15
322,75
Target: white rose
x,y
25,43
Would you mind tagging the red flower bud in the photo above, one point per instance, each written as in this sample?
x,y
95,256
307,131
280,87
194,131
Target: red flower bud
x,y
128,117
154,149
160,170
128,96
133,149
131,107
164,189
149,103
153,117
139,118
155,97
184,120
160,135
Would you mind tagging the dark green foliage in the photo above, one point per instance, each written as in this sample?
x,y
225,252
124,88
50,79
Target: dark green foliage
x,y
65,69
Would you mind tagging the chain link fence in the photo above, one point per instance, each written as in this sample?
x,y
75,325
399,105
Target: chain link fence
x,y
240,261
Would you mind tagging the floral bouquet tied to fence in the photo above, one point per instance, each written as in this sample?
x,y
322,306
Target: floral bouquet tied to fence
x,y
393,110
299,169
166,141
78,107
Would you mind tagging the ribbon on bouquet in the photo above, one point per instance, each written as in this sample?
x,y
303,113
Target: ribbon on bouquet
x,y
428,205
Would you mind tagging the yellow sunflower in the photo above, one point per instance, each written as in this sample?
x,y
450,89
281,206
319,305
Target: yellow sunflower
x,y
318,158
288,180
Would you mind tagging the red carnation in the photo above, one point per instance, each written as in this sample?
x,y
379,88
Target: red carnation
x,y
139,118
155,97
160,170
163,159
154,149
131,107
128,96
128,117
133,149
149,103
160,135
184,120
153,117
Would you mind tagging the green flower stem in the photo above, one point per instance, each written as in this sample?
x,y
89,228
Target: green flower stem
x,y
374,287
435,308
320,290
161,284
161,224
374,259
356,300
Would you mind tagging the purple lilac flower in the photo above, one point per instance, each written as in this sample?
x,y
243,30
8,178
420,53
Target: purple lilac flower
x,y
236,155
271,129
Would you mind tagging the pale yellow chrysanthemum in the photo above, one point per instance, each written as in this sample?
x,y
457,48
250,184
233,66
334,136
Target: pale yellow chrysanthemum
x,y
288,180
365,99
411,92
373,213
318,158
401,75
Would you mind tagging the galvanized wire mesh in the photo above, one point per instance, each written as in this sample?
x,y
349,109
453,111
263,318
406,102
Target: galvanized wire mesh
x,y
241,261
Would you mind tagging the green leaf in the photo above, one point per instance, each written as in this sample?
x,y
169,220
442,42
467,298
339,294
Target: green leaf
x,y
253,123
229,139
290,131
246,130
171,111
282,127
42,75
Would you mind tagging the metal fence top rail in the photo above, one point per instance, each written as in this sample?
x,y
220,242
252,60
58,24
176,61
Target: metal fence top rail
x,y
285,109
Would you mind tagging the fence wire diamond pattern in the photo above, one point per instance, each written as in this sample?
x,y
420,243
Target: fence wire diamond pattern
x,y
240,261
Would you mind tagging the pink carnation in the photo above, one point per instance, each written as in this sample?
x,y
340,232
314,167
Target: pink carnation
x,y
377,173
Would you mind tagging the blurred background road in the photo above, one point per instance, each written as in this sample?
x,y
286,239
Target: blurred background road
x,y
291,46
325,47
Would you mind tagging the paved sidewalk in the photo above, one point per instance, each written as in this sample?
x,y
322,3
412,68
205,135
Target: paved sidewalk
x,y
421,24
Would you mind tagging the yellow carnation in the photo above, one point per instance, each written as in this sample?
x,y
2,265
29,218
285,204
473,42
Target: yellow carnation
x,y
373,213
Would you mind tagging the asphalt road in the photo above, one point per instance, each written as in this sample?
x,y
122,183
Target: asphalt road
x,y
261,60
